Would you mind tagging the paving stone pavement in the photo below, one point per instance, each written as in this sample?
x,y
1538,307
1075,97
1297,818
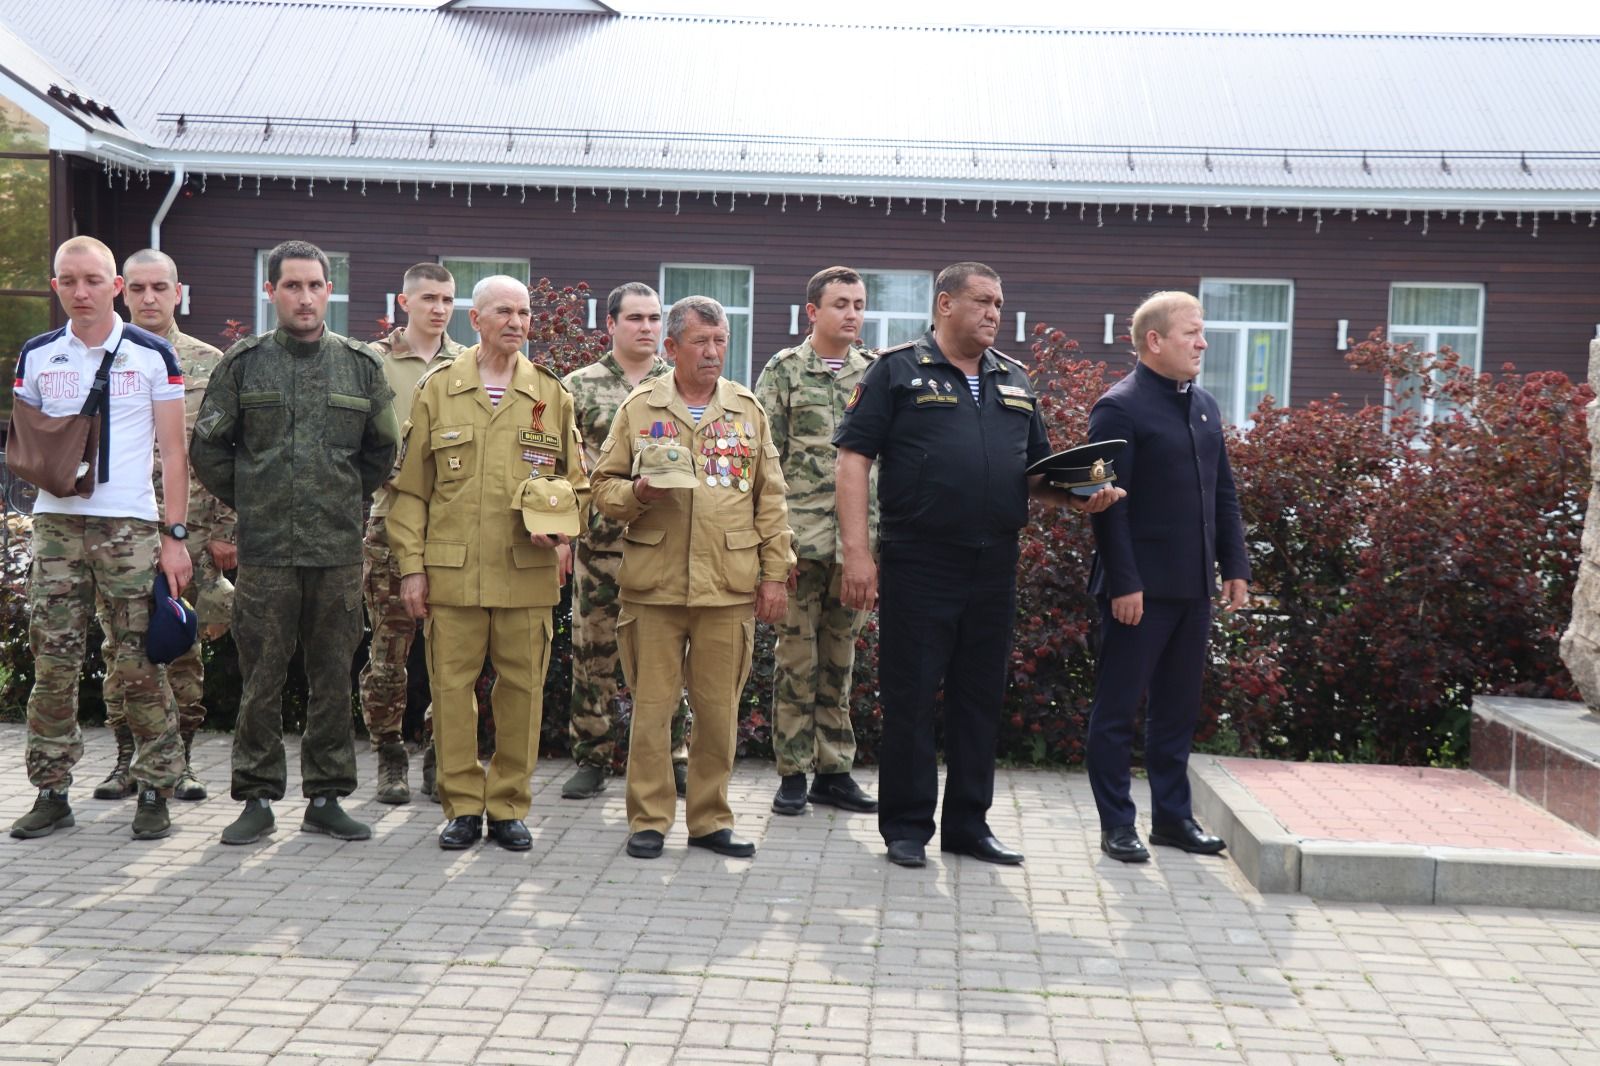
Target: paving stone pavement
x,y
816,953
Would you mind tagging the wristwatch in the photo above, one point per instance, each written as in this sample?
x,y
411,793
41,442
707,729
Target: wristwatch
x,y
177,531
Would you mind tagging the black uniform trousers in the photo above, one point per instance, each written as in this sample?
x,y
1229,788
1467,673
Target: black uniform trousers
x,y
945,615
1163,655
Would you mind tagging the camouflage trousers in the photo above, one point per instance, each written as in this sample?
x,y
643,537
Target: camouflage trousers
x,y
599,690
273,608
813,663
187,673
383,679
79,560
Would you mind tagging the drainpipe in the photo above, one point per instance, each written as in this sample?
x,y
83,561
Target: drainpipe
x,y
178,177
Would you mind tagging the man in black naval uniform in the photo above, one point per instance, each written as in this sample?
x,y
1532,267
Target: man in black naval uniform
x,y
1154,573
955,425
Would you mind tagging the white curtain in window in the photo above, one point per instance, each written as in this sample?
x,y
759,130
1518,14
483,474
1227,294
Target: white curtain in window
x,y
468,272
730,287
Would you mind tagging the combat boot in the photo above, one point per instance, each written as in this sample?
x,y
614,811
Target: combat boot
x,y
325,816
50,812
430,776
119,783
587,783
150,820
392,767
253,823
189,787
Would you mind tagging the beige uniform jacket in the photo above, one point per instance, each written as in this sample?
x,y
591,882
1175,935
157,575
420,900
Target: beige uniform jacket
x,y
402,369
462,459
708,546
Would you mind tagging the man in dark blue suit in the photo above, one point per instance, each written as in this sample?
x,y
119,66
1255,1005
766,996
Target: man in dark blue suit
x,y
1154,575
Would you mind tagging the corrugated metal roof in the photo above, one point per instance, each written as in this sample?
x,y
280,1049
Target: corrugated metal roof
x,y
676,101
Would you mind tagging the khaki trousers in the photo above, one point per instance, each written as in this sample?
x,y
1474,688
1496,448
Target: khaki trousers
x,y
517,642
662,648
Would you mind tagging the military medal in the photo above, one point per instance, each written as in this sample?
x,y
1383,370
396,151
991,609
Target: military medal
x,y
744,486
711,480
725,480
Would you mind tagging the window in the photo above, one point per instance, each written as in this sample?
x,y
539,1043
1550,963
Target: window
x,y
1247,343
468,272
1429,317
731,286
25,298
899,306
338,303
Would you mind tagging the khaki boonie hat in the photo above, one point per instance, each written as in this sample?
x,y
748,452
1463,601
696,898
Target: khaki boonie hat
x,y
668,466
548,505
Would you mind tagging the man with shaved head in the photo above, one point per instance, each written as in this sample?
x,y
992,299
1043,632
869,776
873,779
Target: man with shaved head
x,y
103,548
152,291
491,490
296,429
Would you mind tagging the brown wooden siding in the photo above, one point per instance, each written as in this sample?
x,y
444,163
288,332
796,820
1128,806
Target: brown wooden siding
x,y
1542,298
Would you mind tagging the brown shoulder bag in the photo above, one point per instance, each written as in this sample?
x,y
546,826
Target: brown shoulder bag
x,y
60,454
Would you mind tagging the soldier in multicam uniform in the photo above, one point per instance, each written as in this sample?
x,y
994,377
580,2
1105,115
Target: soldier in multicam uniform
x,y
105,547
633,318
428,297
804,390
152,292
296,429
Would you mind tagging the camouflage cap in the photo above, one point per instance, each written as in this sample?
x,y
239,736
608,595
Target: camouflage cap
x,y
548,505
1083,470
213,601
668,466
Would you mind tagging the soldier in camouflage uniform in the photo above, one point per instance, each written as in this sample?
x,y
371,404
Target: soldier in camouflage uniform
x,y
599,691
297,428
152,292
428,296
804,390
102,549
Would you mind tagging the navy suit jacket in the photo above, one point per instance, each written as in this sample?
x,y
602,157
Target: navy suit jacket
x,y
1180,521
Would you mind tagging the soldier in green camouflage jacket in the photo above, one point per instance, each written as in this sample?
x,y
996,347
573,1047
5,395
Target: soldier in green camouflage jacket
x,y
804,390
152,292
633,318
296,429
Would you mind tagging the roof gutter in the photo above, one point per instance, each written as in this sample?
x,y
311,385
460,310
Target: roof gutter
x,y
178,178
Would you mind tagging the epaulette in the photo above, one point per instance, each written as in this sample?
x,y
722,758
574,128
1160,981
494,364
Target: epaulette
x,y
244,344
881,352
362,347
1009,359
548,370
432,370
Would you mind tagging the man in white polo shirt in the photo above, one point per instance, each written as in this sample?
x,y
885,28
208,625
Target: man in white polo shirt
x,y
106,546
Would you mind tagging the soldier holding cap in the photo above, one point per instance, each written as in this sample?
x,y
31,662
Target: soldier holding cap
x,y
954,424
700,565
490,491
1155,570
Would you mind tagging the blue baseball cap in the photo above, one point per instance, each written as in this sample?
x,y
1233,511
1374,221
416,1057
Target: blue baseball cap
x,y
173,624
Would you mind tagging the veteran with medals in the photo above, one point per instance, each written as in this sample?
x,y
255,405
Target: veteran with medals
x,y
690,467
492,453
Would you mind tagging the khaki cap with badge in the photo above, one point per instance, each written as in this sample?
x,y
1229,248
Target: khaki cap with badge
x,y
548,505
668,466
1083,470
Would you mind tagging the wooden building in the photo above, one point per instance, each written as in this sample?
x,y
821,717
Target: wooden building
x,y
1305,198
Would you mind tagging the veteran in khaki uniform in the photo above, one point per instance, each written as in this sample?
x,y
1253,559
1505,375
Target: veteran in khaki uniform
x,y
633,318
152,291
428,297
699,567
803,390
479,428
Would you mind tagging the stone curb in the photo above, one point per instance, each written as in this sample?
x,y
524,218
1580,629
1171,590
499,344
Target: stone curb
x,y
1276,861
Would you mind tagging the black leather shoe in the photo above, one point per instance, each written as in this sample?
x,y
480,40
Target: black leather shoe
x,y
723,842
645,844
841,790
986,848
791,797
1187,835
907,853
510,834
1122,844
461,832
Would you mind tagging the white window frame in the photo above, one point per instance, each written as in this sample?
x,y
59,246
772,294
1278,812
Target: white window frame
x,y
464,299
749,312
1432,332
264,309
1238,401
878,320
